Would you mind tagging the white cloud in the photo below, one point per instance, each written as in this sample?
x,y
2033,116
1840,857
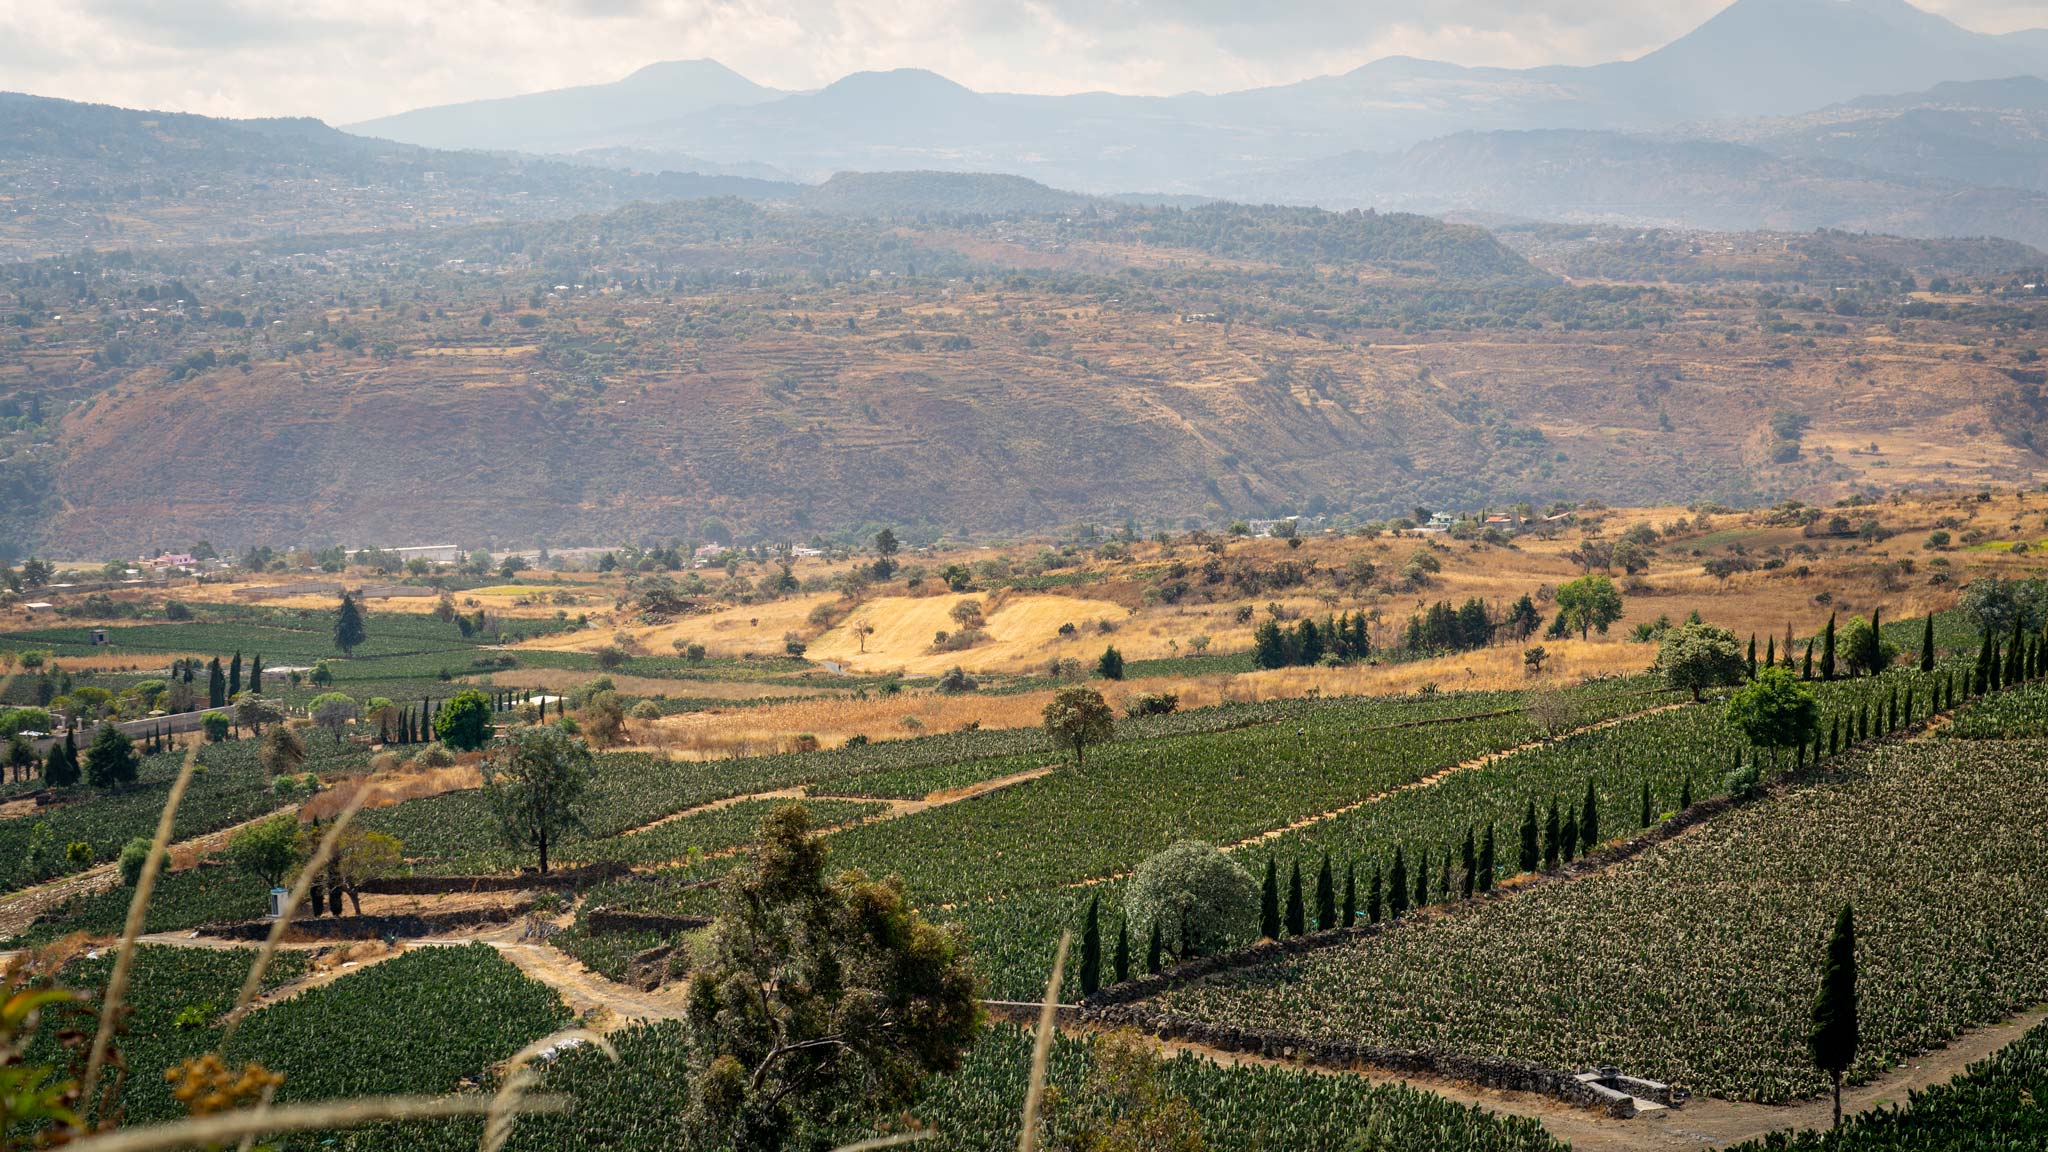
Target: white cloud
x,y
345,60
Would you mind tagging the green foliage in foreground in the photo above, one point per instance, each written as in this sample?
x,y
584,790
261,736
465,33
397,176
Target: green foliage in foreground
x,y
1994,1107
1695,962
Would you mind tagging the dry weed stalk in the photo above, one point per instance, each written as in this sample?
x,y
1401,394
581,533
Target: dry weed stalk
x,y
124,960
521,1079
1041,1047
208,1131
321,855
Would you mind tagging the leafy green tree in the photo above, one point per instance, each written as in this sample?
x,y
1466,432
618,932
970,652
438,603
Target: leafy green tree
x,y
21,758
1776,711
267,849
1695,657
1077,717
1199,898
1588,604
536,783
464,722
215,726
825,999
133,859
349,631
333,711
112,760
1865,648
1834,1035
1110,665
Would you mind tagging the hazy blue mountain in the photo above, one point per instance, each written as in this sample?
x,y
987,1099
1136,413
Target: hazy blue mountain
x,y
1755,58
1641,179
566,118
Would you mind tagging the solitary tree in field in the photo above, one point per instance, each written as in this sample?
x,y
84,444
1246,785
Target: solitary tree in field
x,y
1110,666
348,626
535,784
1833,1038
1076,718
824,998
1700,656
1588,604
1775,712
266,849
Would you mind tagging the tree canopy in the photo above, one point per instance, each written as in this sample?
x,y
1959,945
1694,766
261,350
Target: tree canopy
x,y
536,783
1078,717
1700,656
1775,710
1199,899
464,722
1588,604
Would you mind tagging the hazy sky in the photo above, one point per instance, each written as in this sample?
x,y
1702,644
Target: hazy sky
x,y
345,60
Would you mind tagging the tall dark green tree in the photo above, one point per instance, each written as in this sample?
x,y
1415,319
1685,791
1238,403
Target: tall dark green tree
x,y
1110,665
111,761
1397,885
1269,902
1486,860
1470,879
256,672
1752,655
1350,895
1372,898
1806,672
1827,650
1649,813
1589,820
1122,961
1771,652
1297,916
1927,644
1553,849
1422,879
1091,948
59,771
1532,851
1570,835
349,631
1833,1038
216,685
1326,896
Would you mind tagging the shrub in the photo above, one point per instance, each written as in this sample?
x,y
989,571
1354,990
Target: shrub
x,y
1153,704
134,855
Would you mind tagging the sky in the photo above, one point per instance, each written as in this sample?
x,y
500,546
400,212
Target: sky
x,y
349,60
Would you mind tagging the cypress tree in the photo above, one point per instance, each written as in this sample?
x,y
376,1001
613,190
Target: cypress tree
x,y
1297,916
1806,672
1422,879
1827,650
1269,902
1906,710
59,772
256,673
1091,948
1531,852
1752,655
1486,861
1927,645
1443,879
1397,885
1685,795
235,676
1326,896
1471,878
216,684
1551,848
1589,820
1350,912
1771,652
1372,898
1649,814
1122,960
1571,836
1833,1038
1152,950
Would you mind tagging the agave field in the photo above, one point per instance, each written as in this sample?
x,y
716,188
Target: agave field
x,y
1694,962
2017,713
1994,1107
628,1105
228,787
715,831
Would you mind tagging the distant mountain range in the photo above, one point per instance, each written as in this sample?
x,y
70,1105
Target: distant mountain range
x,y
1756,58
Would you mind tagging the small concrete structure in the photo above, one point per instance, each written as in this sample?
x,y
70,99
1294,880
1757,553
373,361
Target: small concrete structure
x,y
277,899
1623,1096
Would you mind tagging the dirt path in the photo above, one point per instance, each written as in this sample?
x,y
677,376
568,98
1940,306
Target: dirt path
x,y
18,910
899,808
716,806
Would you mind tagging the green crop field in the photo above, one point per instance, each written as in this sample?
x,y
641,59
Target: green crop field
x,y
1694,962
